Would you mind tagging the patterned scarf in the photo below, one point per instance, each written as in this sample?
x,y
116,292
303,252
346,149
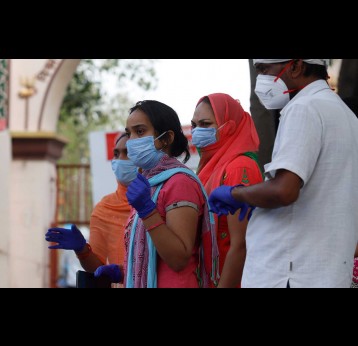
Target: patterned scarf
x,y
355,274
141,265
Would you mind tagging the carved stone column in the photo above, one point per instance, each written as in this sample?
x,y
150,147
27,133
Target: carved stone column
x,y
37,88
5,160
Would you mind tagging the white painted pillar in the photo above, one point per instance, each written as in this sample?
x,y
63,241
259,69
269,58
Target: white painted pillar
x,y
5,160
37,88
33,200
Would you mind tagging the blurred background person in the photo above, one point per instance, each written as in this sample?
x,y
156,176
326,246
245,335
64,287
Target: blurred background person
x,y
108,219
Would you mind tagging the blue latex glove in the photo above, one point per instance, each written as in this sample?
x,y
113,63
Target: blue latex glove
x,y
139,197
111,270
221,202
68,239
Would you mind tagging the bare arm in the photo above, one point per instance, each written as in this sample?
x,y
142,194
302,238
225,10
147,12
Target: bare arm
x,y
235,259
175,239
89,263
97,257
281,191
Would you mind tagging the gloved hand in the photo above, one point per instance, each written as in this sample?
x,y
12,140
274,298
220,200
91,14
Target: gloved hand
x,y
111,270
68,239
221,202
139,197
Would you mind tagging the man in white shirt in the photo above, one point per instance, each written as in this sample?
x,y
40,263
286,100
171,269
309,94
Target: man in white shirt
x,y
304,230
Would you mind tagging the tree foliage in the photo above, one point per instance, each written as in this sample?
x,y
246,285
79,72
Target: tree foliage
x,y
89,105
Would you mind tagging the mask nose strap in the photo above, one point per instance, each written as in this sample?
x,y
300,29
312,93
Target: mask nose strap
x,y
283,70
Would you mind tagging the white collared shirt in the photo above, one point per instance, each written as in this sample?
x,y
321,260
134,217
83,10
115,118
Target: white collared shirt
x,y
311,243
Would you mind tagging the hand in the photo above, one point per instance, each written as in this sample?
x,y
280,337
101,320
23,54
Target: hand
x,y
111,270
221,202
139,197
68,239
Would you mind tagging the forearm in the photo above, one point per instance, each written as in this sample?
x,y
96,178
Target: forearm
x,y
260,195
279,192
91,263
169,246
233,267
88,259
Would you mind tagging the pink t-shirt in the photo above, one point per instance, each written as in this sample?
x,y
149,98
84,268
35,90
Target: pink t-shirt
x,y
179,188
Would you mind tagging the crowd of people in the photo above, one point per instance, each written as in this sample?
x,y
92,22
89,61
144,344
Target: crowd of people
x,y
229,224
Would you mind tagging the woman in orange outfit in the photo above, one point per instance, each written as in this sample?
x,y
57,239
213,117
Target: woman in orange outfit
x,y
108,219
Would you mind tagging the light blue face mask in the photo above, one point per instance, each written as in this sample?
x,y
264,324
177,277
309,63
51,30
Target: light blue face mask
x,y
143,153
204,136
124,170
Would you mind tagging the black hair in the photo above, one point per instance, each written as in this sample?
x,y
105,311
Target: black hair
x,y
164,118
206,100
319,71
120,137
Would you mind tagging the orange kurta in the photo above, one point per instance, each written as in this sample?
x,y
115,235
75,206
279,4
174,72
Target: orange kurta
x,y
107,224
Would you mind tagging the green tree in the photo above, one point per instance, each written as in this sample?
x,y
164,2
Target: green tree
x,y
87,106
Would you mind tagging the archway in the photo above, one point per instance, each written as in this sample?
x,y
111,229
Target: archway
x,y
35,92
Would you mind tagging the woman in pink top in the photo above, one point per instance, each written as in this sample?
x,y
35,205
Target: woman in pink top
x,y
170,239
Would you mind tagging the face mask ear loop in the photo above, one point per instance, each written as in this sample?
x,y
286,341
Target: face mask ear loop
x,y
161,149
161,135
221,126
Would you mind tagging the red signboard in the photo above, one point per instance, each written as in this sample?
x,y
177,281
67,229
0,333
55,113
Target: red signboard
x,y
2,124
110,143
187,133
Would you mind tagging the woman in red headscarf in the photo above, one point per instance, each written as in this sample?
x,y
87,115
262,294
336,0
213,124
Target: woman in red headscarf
x,y
227,141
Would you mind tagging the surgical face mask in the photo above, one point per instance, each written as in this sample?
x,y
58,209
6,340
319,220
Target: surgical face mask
x,y
272,92
203,137
143,153
124,170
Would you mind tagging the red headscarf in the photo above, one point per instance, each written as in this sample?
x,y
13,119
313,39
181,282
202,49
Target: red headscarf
x,y
237,136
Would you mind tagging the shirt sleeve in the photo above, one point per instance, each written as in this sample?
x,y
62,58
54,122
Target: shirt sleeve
x,y
180,188
298,143
242,171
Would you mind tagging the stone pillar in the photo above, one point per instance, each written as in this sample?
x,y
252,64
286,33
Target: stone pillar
x,y
33,201
37,88
5,161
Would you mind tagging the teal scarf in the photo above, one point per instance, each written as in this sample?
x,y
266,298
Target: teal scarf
x,y
205,274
